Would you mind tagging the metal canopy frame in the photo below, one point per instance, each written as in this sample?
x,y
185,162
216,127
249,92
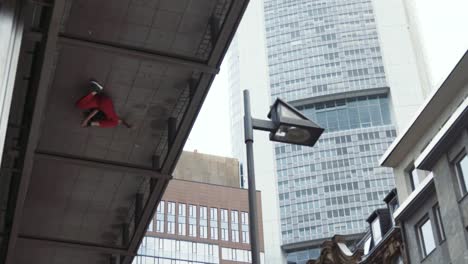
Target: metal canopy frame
x,y
75,245
103,164
43,80
50,40
225,36
67,39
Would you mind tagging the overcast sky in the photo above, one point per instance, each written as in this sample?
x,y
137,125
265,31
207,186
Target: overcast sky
x,y
444,34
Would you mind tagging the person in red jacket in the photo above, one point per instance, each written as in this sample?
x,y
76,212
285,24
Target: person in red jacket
x,y
102,112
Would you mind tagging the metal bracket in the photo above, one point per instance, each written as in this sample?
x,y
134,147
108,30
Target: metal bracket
x,y
125,234
156,162
153,183
214,29
264,125
114,259
138,207
192,85
171,130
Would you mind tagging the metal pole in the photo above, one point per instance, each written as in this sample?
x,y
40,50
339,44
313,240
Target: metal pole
x,y
248,132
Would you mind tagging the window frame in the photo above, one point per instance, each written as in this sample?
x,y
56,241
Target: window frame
x,y
439,223
376,234
462,184
412,172
421,244
393,205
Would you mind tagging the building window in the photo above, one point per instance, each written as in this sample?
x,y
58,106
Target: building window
x,y
160,217
367,245
376,231
182,223
426,236
397,260
192,220
224,225
439,224
203,231
234,226
150,227
170,217
214,223
351,113
414,178
161,250
245,227
462,173
203,222
171,208
393,206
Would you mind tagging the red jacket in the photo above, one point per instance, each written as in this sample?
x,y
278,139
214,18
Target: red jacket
x,y
107,107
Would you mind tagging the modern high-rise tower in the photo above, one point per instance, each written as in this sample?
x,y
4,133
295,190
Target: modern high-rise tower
x,y
324,58
349,65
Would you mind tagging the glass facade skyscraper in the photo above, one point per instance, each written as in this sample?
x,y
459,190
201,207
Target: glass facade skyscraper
x,y
324,58
322,47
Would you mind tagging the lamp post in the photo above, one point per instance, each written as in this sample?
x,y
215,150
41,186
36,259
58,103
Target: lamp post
x,y
286,125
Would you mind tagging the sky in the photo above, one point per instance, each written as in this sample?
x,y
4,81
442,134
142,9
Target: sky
x,y
211,134
443,31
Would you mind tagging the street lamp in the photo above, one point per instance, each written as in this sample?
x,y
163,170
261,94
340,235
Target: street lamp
x,y
286,125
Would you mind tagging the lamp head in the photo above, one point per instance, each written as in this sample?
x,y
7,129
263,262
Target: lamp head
x,y
292,126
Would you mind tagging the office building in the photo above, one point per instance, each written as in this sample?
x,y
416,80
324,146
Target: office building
x,y
430,163
198,221
340,63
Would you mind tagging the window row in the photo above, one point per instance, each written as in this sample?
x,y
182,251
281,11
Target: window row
x,y
350,113
197,224
179,250
169,251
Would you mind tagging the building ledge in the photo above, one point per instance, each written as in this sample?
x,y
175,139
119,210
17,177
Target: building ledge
x,y
414,197
424,117
440,142
338,96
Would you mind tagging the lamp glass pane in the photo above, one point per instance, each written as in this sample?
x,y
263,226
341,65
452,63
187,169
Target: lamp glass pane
x,y
292,134
288,113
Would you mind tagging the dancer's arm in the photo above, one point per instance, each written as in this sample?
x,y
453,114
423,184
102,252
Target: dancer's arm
x,y
88,118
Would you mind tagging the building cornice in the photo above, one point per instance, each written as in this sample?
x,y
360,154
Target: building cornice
x,y
418,194
338,96
441,141
427,114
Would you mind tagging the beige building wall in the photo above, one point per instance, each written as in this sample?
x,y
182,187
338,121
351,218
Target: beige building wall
x,y
405,68
204,168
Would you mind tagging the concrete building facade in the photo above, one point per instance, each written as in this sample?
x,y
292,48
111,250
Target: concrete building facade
x,y
199,167
198,221
430,164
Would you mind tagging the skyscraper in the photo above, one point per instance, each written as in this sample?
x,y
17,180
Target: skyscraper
x,y
327,58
